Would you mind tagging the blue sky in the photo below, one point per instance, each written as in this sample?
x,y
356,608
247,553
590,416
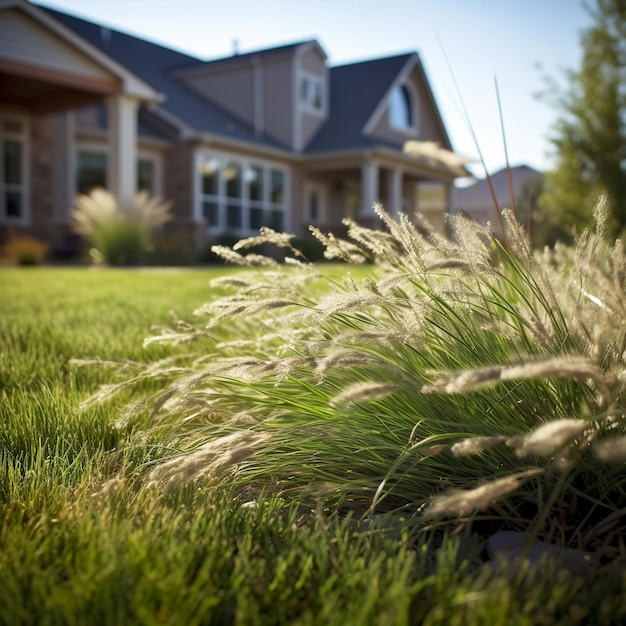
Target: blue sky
x,y
516,42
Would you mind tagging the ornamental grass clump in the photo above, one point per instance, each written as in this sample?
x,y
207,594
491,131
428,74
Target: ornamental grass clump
x,y
119,234
449,379
23,250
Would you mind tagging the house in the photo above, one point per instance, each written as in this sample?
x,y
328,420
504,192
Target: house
x,y
476,200
274,137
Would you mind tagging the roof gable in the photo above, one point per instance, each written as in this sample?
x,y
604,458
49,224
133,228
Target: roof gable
x,y
60,49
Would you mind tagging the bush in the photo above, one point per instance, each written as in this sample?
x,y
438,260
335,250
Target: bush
x,y
24,250
119,235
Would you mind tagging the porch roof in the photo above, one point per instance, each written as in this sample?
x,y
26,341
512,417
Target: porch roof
x,y
45,67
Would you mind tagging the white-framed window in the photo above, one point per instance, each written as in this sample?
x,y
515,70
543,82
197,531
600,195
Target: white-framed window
x,y
311,93
403,112
149,169
91,167
238,196
14,170
314,203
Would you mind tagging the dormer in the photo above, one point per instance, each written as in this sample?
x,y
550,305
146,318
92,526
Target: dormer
x,y
312,93
281,92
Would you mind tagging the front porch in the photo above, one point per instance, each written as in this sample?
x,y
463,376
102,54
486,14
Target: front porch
x,y
352,188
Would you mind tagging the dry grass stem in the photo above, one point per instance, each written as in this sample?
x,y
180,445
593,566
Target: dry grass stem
x,y
210,461
463,502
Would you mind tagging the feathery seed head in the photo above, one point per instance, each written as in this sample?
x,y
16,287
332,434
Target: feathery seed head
x,y
463,502
363,392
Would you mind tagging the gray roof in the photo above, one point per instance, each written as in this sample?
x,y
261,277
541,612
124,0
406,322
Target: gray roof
x,y
478,195
355,89
237,57
153,63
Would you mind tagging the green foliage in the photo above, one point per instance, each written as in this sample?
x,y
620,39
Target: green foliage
x,y
590,136
540,224
119,235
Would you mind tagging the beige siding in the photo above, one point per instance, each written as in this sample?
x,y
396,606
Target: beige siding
x,y
312,61
278,101
23,40
233,90
298,227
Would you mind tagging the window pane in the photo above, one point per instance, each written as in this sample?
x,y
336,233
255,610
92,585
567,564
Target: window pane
x,y
276,220
210,177
211,212
91,171
232,174
316,98
400,108
145,175
13,204
12,152
233,216
277,188
304,90
254,176
256,218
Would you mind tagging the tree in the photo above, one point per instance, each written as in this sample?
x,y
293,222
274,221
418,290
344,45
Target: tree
x,y
590,136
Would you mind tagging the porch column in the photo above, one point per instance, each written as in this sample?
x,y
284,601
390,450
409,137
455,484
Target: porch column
x,y
369,190
123,142
394,199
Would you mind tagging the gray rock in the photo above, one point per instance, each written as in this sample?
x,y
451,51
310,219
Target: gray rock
x,y
515,546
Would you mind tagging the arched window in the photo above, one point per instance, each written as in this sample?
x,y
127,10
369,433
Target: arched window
x,y
401,114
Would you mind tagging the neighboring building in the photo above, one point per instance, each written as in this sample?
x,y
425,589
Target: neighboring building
x,y
476,200
273,137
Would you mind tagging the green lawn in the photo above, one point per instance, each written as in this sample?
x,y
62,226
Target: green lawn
x,y
86,539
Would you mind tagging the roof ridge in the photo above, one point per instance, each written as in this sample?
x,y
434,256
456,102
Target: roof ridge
x,y
366,61
285,46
